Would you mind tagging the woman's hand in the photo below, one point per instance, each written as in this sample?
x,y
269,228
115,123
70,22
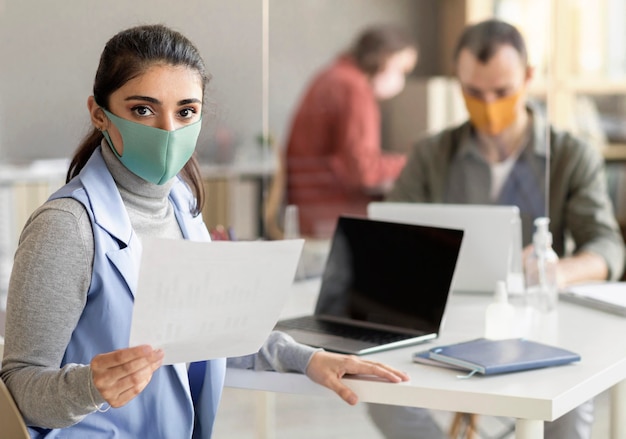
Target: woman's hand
x,y
327,369
121,375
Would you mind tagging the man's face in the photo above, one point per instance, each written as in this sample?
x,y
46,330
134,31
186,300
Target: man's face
x,y
494,91
503,75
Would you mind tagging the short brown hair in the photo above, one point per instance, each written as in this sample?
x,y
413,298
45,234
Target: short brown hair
x,y
375,45
485,38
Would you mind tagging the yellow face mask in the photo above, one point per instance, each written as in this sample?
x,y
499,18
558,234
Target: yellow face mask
x,y
492,117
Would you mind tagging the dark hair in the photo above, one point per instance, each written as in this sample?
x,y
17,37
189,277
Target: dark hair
x,y
485,38
128,55
375,45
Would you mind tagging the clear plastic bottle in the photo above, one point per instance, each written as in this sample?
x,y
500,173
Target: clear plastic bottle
x,y
500,315
540,270
292,222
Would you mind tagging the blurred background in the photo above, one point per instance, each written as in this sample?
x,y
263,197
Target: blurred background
x,y
262,55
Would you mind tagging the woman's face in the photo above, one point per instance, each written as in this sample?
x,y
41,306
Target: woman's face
x,y
390,80
166,97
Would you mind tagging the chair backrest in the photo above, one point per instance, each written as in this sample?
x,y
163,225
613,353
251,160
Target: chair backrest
x,y
11,422
275,202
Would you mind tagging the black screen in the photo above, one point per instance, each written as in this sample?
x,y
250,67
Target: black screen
x,y
390,274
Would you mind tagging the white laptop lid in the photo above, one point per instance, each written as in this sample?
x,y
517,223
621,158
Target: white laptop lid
x,y
492,246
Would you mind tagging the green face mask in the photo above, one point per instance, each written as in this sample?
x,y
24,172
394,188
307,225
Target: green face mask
x,y
154,154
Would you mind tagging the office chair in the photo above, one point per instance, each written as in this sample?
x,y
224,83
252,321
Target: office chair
x,y
275,202
13,426
280,220
466,426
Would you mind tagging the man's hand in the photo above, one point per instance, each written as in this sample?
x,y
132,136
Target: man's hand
x,y
582,267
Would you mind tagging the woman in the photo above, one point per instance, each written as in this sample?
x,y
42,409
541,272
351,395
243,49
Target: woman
x,y
71,292
335,163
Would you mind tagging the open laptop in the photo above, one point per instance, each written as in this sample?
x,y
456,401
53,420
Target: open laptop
x,y
492,246
385,285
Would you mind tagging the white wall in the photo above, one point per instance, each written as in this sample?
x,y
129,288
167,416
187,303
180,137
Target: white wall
x,y
49,53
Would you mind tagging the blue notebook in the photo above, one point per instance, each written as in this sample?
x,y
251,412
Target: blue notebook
x,y
490,357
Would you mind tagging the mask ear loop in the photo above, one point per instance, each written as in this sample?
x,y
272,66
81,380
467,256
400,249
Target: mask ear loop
x,y
105,134
103,124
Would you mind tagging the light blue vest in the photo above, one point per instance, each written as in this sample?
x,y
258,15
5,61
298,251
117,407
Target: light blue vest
x,y
164,409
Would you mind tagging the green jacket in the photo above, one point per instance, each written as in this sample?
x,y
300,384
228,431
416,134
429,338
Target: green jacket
x,y
448,168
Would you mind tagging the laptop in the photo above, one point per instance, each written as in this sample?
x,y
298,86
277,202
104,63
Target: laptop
x,y
384,285
492,246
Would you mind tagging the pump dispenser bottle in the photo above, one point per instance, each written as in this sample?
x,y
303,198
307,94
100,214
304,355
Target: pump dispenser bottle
x,y
540,270
500,315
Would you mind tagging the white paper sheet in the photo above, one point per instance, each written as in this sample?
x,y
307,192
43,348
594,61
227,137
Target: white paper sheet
x,y
607,296
199,301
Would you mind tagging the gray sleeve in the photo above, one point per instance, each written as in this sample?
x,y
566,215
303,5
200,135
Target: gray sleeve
x,y
47,293
280,352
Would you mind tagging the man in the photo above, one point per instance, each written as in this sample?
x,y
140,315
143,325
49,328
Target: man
x,y
500,157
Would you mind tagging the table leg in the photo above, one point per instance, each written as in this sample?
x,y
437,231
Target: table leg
x,y
618,410
265,415
528,429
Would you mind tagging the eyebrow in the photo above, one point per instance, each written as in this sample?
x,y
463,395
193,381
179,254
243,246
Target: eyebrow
x,y
156,101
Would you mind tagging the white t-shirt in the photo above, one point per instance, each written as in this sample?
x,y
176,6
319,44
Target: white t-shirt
x,y
499,173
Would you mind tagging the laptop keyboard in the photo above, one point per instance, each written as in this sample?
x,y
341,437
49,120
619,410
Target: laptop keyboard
x,y
375,336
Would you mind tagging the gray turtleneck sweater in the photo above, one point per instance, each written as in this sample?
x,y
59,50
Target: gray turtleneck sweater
x,y
48,291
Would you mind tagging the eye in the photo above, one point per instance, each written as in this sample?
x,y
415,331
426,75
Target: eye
x,y
475,93
187,113
501,93
142,111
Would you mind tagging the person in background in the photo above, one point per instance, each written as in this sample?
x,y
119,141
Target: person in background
x,y
500,157
334,160
66,361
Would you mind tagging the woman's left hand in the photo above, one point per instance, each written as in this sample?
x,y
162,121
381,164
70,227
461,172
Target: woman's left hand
x,y
327,369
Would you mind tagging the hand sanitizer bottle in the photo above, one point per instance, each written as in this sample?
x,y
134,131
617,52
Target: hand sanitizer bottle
x,y
292,222
500,315
540,270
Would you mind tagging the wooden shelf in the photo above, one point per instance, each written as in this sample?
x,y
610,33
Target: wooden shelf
x,y
615,152
597,86
581,86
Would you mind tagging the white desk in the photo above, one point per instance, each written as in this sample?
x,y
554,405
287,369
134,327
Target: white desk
x,y
531,397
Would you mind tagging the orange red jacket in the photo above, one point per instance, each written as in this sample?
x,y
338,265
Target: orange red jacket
x,y
335,164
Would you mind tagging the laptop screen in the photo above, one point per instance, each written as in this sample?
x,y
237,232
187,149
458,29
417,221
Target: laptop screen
x,y
389,275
